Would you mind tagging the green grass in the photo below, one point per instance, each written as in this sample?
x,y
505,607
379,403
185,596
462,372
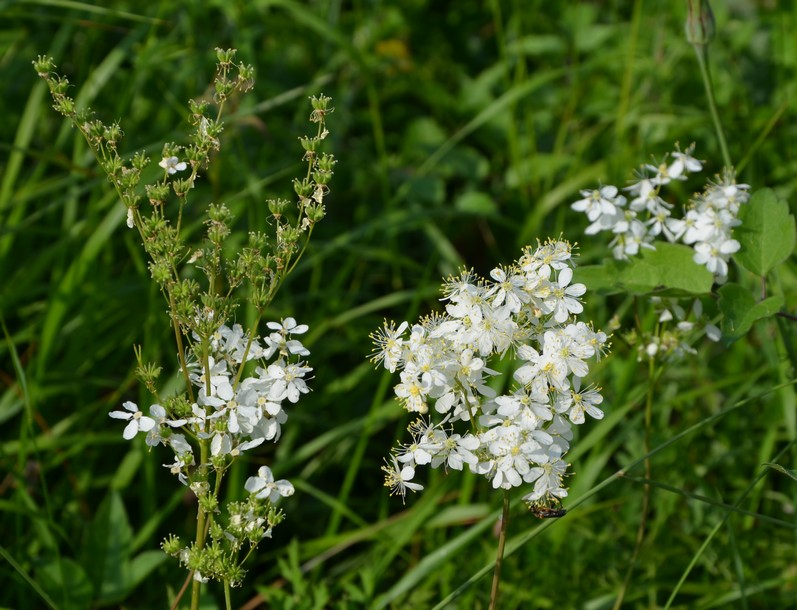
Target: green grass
x,y
463,131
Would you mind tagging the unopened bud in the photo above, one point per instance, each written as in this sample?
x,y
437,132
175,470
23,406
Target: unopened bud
x,y
699,22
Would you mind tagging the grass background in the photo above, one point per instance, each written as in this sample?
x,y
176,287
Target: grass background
x,y
463,130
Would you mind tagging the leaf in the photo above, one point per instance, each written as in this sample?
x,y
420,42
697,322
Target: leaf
x,y
476,202
599,278
781,469
767,233
108,545
669,266
143,564
669,269
740,310
67,584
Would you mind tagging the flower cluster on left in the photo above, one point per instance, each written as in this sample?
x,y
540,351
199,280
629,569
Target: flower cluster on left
x,y
236,384
232,414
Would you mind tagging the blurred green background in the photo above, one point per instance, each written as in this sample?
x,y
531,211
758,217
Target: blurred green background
x,y
463,131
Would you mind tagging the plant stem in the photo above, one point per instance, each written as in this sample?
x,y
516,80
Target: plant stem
x,y
500,559
640,534
196,587
702,60
227,598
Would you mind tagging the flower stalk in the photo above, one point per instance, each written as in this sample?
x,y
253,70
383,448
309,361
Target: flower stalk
x,y
500,555
226,408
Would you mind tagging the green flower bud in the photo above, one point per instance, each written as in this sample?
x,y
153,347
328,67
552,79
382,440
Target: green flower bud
x,y
225,56
699,22
277,206
43,65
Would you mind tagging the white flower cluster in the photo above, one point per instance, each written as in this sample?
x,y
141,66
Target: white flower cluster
x,y
636,223
234,415
514,438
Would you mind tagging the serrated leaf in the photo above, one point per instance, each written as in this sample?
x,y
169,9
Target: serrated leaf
x,y
740,310
767,234
669,269
669,266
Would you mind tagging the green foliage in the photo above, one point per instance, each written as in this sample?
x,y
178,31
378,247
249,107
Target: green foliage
x,y
108,572
789,473
467,128
740,310
767,234
667,271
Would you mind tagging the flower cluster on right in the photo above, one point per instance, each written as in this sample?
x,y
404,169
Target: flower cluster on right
x,y
706,226
520,437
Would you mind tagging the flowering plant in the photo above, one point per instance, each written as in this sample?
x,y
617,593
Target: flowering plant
x,y
237,385
722,223
520,437
707,225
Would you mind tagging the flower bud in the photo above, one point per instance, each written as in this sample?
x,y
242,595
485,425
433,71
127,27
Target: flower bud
x,y
699,22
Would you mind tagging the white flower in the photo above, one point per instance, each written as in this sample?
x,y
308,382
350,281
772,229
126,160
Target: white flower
x,y
412,391
444,363
647,196
279,342
182,460
138,421
219,380
456,451
597,203
264,486
389,345
172,165
234,341
564,298
715,255
509,289
576,403
131,218
399,479
158,413
685,161
288,382
180,446
547,479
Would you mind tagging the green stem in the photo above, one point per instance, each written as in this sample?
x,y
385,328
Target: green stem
x,y
702,61
640,534
500,558
248,347
196,587
178,338
227,598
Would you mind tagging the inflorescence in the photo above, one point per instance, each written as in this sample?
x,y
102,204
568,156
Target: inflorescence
x,y
528,307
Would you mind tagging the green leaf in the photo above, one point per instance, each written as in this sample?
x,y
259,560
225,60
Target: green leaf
x,y
767,233
108,545
781,469
599,278
669,266
67,584
143,564
476,202
740,310
669,269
